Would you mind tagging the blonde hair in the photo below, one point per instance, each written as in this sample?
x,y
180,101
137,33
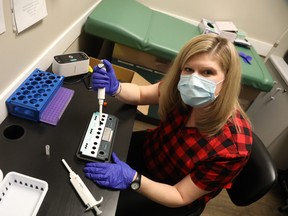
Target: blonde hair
x,y
212,118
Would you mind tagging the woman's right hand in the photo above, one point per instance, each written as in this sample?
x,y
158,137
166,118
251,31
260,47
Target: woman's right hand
x,y
105,78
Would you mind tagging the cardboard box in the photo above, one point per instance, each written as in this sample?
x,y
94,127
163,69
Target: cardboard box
x,y
150,67
150,75
126,75
140,58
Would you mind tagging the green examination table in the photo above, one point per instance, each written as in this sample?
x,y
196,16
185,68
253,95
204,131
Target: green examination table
x,y
130,23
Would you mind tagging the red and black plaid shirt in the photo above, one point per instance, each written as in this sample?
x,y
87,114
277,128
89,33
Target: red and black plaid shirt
x,y
172,151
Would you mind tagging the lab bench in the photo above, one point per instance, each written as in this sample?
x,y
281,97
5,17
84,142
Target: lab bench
x,y
22,149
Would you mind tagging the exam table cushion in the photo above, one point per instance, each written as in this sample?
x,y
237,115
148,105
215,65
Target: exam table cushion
x,y
135,25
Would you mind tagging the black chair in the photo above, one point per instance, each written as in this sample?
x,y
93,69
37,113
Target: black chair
x,y
257,177
255,180
283,183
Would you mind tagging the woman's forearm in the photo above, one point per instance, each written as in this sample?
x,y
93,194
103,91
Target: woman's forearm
x,y
129,93
180,194
134,94
163,194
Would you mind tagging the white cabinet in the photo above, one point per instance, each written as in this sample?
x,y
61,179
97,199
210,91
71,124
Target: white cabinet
x,y
269,117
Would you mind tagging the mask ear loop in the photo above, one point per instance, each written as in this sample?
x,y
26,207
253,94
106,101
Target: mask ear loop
x,y
220,81
220,89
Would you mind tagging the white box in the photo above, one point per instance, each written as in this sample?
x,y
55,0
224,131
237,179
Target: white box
x,y
227,30
208,26
226,26
21,194
231,36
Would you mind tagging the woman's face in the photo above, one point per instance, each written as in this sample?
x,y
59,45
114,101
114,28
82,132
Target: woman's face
x,y
204,65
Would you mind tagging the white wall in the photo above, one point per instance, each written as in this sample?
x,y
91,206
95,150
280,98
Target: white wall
x,y
283,46
36,46
264,21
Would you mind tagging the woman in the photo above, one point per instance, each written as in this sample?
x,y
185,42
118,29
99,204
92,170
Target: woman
x,y
204,137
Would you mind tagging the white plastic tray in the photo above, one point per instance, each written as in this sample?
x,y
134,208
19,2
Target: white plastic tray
x,y
21,195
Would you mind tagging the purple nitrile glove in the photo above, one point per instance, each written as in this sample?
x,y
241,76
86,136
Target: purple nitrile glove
x,y
117,175
246,58
102,78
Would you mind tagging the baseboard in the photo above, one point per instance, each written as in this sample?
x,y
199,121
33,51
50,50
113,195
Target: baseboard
x,y
44,60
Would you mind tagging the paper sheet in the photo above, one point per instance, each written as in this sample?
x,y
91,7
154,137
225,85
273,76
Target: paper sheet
x,y
2,20
25,13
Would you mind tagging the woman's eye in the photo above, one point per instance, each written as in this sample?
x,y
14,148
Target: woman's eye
x,y
188,70
208,72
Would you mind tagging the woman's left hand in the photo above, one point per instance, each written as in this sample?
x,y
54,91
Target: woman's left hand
x,y
117,175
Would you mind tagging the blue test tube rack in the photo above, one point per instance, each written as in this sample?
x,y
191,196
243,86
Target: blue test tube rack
x,y
31,98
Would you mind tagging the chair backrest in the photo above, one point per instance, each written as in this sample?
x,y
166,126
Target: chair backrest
x,y
257,177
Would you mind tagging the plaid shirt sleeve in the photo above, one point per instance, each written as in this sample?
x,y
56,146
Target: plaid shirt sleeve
x,y
217,174
232,152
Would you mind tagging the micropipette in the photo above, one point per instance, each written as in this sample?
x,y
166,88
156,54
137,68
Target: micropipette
x,y
83,191
101,94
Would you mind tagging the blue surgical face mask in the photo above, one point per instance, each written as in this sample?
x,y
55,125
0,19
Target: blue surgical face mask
x,y
197,91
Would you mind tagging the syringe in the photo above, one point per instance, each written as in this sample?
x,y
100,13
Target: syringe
x,y
83,191
101,94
